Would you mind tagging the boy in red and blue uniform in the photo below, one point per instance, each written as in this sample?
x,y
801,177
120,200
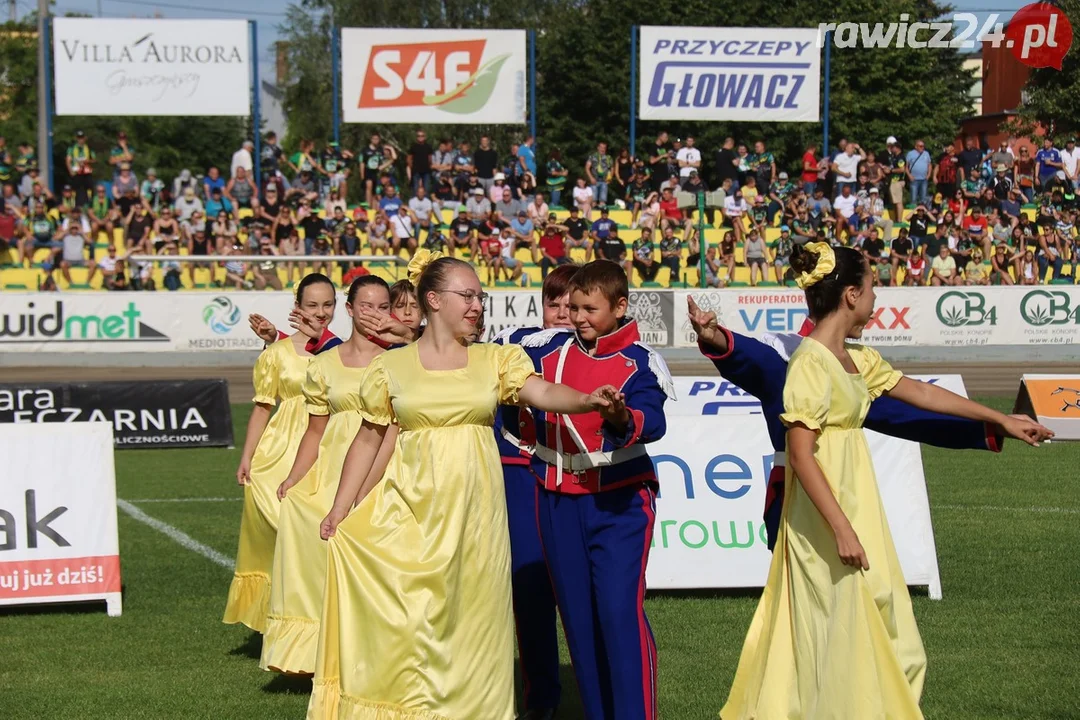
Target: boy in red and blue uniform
x,y
760,368
534,599
596,496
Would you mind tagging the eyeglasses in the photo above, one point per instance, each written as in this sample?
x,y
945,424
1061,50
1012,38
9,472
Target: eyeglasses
x,y
470,295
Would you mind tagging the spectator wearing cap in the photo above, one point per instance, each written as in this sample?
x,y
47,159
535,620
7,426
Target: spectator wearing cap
x,y
780,193
920,168
602,227
80,166
187,203
523,229
895,176
152,189
495,187
598,170
1001,184
782,250
242,159
874,208
478,208
218,203
121,153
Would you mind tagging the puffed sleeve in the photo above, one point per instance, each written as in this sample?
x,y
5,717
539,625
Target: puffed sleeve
x,y
514,368
315,392
807,392
265,377
879,375
375,404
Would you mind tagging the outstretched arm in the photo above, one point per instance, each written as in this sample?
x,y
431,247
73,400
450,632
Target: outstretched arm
x,y
938,399
895,418
751,364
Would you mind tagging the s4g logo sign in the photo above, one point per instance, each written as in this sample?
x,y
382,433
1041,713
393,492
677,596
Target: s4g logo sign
x,y
965,309
1049,307
446,75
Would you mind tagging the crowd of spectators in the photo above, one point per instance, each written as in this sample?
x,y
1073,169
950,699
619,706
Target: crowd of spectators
x,y
967,226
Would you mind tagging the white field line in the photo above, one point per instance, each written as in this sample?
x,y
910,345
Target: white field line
x,y
185,500
180,538
1002,508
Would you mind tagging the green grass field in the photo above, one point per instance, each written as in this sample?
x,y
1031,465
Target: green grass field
x,y
1004,643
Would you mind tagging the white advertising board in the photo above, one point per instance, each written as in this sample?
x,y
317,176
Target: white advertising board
x,y
713,465
58,539
433,76
151,67
732,73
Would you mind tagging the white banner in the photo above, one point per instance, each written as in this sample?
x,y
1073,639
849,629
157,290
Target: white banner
x,y
433,76
749,74
713,472
58,514
151,67
217,321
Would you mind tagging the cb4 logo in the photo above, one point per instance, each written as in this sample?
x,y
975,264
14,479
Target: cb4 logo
x,y
965,309
446,75
221,315
1049,307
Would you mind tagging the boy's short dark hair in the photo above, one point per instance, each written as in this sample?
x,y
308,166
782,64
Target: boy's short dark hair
x,y
603,275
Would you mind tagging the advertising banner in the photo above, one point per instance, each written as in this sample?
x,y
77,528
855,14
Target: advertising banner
x,y
713,472
735,73
58,513
217,321
1052,400
151,67
143,414
433,76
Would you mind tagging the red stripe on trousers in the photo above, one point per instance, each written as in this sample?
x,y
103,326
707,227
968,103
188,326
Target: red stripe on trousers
x,y
648,657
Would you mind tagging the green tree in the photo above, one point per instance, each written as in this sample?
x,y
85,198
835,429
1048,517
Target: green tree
x,y
1052,96
168,144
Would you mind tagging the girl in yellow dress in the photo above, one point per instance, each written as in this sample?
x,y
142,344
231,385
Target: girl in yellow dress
x,y
834,635
269,449
331,392
417,620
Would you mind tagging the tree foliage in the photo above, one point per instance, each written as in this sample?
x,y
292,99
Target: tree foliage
x,y
167,144
1052,96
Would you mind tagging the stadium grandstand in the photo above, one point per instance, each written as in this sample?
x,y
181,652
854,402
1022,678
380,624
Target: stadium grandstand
x,y
1005,214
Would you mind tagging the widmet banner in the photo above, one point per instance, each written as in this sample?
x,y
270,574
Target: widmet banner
x,y
433,76
151,67
143,414
58,539
732,73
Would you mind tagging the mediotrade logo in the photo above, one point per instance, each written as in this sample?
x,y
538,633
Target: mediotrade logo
x,y
221,315
51,323
445,75
1049,307
965,309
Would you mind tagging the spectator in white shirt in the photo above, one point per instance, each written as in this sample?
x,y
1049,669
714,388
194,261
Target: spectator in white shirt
x,y
423,212
401,225
689,158
242,158
846,165
735,208
1070,161
583,198
844,205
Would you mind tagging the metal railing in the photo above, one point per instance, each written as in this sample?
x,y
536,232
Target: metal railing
x,y
221,259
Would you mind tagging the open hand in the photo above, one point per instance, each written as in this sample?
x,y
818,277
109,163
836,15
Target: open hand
x,y
262,327
706,326
305,323
385,327
1024,428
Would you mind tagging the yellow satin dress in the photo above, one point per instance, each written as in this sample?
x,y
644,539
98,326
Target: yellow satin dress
x,y
296,588
417,621
279,376
829,641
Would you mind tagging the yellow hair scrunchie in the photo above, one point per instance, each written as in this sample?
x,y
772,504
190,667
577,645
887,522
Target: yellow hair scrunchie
x,y
826,263
419,262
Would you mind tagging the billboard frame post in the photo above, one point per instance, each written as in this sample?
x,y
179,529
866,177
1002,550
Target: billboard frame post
x,y
825,99
633,89
335,73
256,108
532,87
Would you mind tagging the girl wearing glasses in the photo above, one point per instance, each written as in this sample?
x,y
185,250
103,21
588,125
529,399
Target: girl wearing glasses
x,y
417,611
269,448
